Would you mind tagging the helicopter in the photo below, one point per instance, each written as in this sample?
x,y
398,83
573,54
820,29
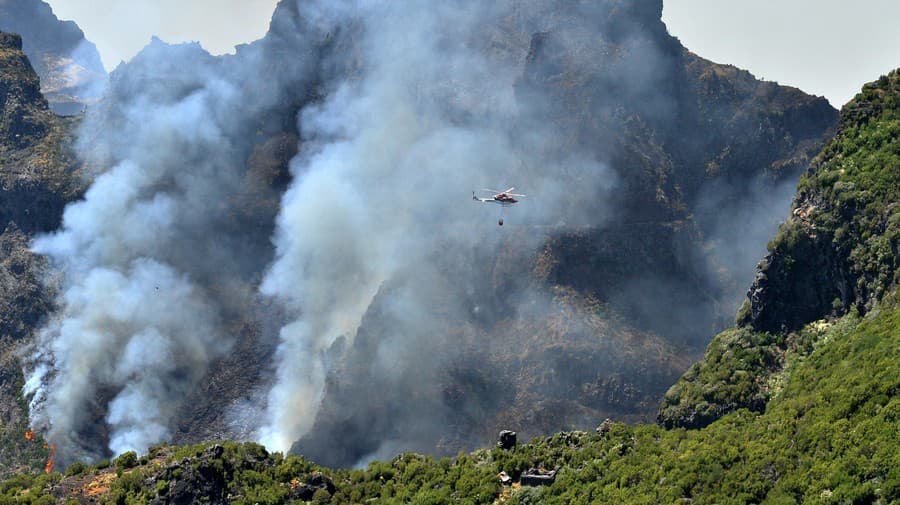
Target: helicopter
x,y
503,198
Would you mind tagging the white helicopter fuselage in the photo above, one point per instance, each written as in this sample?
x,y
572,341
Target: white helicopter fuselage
x,y
498,202
502,199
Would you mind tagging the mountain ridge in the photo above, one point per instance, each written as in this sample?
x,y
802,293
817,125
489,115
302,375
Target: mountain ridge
x,y
799,401
69,65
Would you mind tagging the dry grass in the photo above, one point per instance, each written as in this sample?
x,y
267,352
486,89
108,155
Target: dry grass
x,y
99,485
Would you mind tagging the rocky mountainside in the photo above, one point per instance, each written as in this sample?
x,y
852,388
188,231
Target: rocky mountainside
x,y
615,306
823,432
588,304
837,254
36,169
69,66
34,158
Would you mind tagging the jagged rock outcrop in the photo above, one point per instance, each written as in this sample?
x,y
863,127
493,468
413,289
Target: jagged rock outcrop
x,y
787,293
836,253
24,118
69,66
35,163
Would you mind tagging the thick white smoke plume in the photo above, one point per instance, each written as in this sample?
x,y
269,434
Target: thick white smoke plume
x,y
397,110
138,321
116,329
408,109
391,160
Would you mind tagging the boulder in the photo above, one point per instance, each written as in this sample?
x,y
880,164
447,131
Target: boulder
x,y
604,427
535,477
507,440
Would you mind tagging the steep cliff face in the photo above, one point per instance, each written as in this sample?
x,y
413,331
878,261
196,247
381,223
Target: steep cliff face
x,y
836,253
35,162
843,220
625,287
25,118
69,66
37,181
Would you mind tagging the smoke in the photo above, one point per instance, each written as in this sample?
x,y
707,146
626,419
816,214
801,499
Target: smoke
x,y
438,108
117,330
148,261
388,170
740,228
87,71
378,263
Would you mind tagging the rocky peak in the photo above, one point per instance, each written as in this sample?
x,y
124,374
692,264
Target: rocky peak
x,y
678,132
69,66
23,110
838,248
11,41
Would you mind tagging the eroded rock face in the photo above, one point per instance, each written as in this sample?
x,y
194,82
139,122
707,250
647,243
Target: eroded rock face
x,y
24,115
35,163
24,300
794,287
36,181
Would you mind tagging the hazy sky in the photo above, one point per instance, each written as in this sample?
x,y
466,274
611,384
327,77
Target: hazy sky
x,y
120,28
824,47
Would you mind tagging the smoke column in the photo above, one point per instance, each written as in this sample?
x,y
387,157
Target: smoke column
x,y
139,318
387,169
401,109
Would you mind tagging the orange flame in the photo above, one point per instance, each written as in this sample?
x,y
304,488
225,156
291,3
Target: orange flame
x,y
51,459
29,435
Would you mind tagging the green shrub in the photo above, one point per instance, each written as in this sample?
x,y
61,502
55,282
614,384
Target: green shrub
x,y
76,468
126,460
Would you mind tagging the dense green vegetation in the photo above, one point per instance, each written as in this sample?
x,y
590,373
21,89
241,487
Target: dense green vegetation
x,y
856,188
741,368
829,436
847,206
